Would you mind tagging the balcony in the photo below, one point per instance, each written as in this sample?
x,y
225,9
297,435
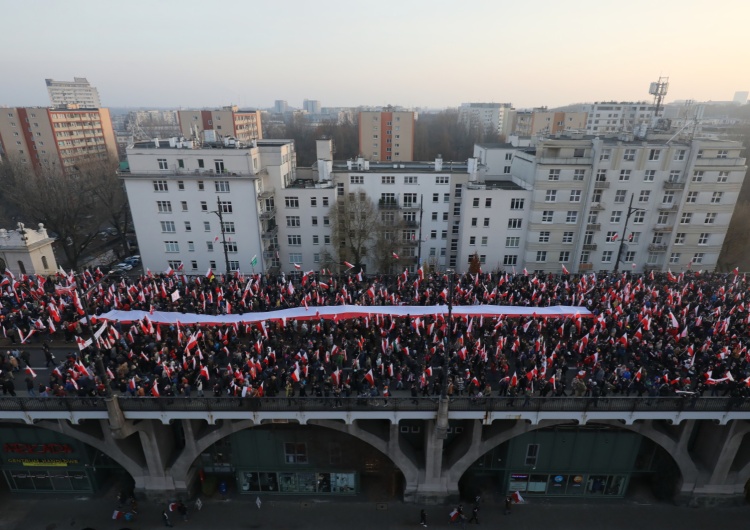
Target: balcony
x,y
703,163
673,185
585,267
594,226
653,247
597,206
409,243
271,232
667,207
266,193
601,185
410,206
268,214
663,228
566,161
388,205
589,246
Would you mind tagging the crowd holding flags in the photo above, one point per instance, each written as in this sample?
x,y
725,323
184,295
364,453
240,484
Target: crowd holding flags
x,y
633,334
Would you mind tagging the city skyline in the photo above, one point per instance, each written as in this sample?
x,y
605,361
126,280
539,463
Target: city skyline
x,y
415,54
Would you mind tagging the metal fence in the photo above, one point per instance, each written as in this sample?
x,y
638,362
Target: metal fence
x,y
359,404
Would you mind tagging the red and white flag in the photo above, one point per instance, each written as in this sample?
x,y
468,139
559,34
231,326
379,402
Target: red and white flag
x,y
370,378
395,256
348,265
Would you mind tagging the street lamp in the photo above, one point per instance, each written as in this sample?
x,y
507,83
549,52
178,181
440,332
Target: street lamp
x,y
624,231
444,389
220,214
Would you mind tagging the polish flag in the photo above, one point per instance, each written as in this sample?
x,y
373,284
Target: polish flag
x,y
370,378
615,237
514,380
131,384
204,372
348,265
297,266
517,498
395,256
155,389
31,372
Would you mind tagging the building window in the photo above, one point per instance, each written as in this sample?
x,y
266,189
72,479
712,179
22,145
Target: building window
x,y
293,221
484,241
516,204
629,155
228,227
511,242
723,176
625,175
639,217
710,218
201,186
435,197
686,218
698,258
679,238
716,197
474,221
703,238
295,257
644,196
544,236
662,219
649,175
722,153
679,154
171,246
668,197
161,185
585,256
579,174
221,186
168,227
698,176
387,179
444,234
472,241
191,246
212,264
326,220
532,454
654,154
204,206
674,258
565,256
162,163
486,222
620,196
294,240
629,256
446,197
554,174
514,223
356,179
181,185
314,220
325,202
441,180
475,202
601,175
607,256
571,217
313,201
326,240
410,180
611,237
510,260
206,226
550,196
184,206
547,216
575,195
541,256
164,206
210,246
291,202
295,453
674,175
188,226
225,206
488,203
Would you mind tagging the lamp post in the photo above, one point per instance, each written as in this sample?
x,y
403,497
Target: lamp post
x,y
624,231
444,389
97,354
220,214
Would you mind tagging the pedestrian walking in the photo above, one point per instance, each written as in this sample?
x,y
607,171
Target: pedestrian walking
x,y
165,518
423,518
474,514
508,504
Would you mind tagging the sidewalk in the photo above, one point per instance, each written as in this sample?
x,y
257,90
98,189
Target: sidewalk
x,y
56,512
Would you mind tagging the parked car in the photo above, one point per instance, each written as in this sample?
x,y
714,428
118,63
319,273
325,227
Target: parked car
x,y
122,267
133,260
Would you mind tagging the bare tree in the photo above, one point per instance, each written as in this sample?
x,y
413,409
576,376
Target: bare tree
x,y
387,244
110,194
354,223
65,201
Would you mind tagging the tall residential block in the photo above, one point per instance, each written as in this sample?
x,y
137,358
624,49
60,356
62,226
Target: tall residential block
x,y
487,116
387,135
244,125
41,136
77,92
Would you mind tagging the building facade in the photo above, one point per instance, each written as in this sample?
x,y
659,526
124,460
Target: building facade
x,y
77,92
542,121
244,125
613,117
311,106
27,251
497,117
387,135
42,137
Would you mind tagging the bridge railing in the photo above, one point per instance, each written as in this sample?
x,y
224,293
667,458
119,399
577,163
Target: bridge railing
x,y
357,404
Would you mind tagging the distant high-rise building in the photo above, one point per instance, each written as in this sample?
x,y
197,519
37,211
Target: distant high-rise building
x,y
311,106
280,106
245,125
613,117
494,116
740,98
77,92
387,135
63,137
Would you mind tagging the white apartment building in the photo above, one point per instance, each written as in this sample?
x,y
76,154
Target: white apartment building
x,y
613,117
77,92
497,116
176,190
563,202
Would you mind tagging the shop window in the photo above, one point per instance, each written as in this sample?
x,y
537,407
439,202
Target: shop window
x,y
532,453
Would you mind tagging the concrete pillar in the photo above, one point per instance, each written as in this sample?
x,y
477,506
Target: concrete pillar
x,y
157,442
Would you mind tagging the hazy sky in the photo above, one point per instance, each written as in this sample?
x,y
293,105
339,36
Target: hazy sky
x,y
408,52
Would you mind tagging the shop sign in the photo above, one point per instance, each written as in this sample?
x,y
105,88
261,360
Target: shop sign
x,y
51,448
30,462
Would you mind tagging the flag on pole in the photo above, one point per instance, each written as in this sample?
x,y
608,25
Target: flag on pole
x,y
395,256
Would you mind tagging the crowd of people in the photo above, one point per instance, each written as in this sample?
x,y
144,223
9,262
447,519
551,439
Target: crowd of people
x,y
636,335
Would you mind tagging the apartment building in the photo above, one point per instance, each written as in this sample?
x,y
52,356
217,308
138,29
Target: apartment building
x,y
244,125
77,92
497,117
542,121
676,198
387,135
177,188
61,137
613,117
